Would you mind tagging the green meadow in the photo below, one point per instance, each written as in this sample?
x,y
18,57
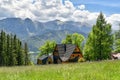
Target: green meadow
x,y
102,70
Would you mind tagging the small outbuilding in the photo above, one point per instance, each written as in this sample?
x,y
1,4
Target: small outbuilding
x,y
45,59
66,53
115,56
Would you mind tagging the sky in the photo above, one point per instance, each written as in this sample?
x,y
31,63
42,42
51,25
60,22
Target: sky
x,y
106,6
84,11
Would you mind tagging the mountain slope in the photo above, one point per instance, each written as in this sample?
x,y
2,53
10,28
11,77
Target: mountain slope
x,y
35,32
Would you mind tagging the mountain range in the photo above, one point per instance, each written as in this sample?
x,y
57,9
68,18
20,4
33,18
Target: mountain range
x,y
35,33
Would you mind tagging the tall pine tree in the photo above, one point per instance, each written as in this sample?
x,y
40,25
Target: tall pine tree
x,y
100,40
3,56
27,59
20,54
12,59
117,41
8,49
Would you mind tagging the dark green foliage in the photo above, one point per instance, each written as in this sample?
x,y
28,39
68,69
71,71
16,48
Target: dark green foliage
x,y
11,51
27,59
100,41
8,49
20,54
12,57
3,56
117,41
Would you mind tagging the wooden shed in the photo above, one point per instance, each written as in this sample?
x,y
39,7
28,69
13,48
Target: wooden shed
x,y
45,59
66,53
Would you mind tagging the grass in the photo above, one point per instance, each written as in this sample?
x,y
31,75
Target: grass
x,y
104,70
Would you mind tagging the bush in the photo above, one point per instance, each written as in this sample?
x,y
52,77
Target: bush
x,y
81,60
30,63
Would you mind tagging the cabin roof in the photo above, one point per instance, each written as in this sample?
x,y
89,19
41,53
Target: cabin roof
x,y
65,50
45,56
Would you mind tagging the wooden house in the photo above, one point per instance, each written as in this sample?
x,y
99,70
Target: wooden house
x,y
66,53
45,59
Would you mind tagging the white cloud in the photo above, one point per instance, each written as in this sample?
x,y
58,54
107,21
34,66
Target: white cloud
x,y
81,7
114,20
45,10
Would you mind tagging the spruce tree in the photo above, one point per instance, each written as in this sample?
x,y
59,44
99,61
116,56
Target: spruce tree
x,y
3,56
15,49
27,60
8,49
12,59
20,54
117,41
0,50
100,40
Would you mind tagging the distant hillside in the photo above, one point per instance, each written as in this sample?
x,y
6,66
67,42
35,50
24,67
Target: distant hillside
x,y
35,32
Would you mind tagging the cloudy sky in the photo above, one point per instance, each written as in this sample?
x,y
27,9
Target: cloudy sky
x,y
84,11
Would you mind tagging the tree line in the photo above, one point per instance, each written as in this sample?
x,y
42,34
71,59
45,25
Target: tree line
x,y
99,44
12,52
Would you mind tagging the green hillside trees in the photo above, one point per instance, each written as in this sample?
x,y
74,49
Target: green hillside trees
x,y
11,51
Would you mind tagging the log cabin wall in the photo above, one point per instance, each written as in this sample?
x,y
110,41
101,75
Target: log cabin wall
x,y
76,53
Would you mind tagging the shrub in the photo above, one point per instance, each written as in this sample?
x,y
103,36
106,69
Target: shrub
x,y
81,60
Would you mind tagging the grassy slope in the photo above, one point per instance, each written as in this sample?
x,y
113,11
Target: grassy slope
x,y
105,70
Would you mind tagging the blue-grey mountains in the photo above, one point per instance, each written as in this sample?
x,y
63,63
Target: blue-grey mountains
x,y
35,32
